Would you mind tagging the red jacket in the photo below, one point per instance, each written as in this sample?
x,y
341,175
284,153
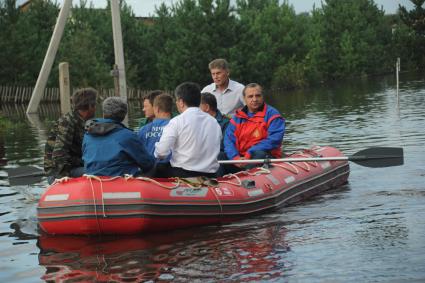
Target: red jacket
x,y
248,132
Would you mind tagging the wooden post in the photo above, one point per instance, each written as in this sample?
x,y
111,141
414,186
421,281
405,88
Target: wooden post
x,y
118,47
397,70
64,87
115,75
49,58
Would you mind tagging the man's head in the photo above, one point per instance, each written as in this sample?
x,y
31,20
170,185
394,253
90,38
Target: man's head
x,y
148,100
187,94
208,103
163,104
114,108
253,96
220,72
84,101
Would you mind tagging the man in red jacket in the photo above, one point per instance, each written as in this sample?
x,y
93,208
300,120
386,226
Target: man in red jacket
x,y
255,131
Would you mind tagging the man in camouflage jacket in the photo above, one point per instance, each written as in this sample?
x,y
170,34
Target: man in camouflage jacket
x,y
63,156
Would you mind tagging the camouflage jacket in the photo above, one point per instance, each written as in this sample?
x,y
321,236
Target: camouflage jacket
x,y
63,146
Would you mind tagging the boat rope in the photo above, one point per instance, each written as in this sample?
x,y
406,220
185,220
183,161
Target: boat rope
x,y
94,205
260,171
61,180
101,180
239,183
147,179
293,169
218,200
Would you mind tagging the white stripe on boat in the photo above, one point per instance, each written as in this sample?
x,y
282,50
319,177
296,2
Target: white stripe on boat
x,y
325,164
289,179
56,197
254,193
122,195
273,179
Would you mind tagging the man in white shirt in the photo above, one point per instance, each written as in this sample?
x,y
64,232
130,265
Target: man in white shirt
x,y
193,137
227,92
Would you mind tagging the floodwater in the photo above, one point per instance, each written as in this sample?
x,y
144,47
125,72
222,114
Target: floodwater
x,y
369,230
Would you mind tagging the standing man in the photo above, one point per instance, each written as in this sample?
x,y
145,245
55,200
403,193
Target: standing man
x,y
62,154
255,131
227,92
193,137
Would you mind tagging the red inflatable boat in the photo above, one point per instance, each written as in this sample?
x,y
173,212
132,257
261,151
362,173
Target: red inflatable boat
x,y
118,205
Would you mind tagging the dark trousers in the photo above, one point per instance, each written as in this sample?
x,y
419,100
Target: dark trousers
x,y
75,172
183,173
230,168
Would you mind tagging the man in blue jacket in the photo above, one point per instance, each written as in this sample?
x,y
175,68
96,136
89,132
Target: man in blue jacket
x,y
152,132
110,148
255,131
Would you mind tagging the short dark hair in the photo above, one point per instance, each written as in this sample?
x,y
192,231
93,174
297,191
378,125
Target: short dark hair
x,y
164,102
219,64
151,95
190,93
208,98
252,85
83,98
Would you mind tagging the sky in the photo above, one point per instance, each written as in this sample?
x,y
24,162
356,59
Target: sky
x,y
144,8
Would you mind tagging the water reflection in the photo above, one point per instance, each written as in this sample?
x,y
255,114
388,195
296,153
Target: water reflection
x,y
239,254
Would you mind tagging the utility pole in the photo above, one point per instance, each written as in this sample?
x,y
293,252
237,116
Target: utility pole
x,y
118,49
38,91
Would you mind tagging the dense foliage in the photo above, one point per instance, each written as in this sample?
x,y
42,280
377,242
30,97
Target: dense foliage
x,y
264,40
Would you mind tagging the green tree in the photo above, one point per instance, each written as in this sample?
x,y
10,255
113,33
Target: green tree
x,y
354,38
195,41
415,20
9,15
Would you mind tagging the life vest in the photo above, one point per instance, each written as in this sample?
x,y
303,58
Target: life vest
x,y
251,130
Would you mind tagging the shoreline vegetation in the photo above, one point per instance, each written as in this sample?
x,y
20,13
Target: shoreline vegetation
x,y
264,41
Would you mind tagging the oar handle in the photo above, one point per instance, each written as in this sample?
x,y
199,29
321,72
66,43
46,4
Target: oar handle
x,y
302,159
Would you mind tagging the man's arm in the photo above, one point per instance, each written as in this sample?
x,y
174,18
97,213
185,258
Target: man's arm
x,y
136,150
166,142
61,154
230,141
275,133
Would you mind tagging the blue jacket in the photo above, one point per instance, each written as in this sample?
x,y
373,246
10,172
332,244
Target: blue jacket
x,y
248,132
111,149
223,121
151,133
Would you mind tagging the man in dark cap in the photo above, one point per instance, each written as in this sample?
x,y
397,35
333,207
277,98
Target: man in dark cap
x,y
62,155
110,148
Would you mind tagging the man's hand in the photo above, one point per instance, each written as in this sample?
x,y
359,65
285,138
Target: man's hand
x,y
240,165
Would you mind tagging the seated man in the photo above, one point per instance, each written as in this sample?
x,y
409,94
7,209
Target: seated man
x,y
111,149
209,105
62,155
151,133
147,101
193,137
255,131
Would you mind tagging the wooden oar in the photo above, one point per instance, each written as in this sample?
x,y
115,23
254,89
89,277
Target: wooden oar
x,y
371,157
24,175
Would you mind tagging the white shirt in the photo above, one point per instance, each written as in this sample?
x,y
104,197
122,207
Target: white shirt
x,y
193,137
230,99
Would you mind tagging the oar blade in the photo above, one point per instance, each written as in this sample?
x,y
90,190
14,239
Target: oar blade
x,y
379,157
23,181
24,175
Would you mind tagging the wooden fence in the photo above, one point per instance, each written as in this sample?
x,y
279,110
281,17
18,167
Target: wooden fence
x,y
22,94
